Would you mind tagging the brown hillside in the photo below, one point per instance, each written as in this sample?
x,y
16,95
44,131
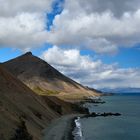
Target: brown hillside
x,y
44,79
17,102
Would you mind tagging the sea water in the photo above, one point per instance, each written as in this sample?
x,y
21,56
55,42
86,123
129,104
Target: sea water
x,y
124,127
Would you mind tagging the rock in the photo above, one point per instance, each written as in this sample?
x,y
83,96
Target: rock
x,y
105,114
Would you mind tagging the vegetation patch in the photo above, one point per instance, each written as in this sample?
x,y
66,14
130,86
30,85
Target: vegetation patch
x,y
41,91
50,92
38,90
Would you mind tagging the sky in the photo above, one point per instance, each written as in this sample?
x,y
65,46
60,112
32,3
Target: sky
x,y
95,42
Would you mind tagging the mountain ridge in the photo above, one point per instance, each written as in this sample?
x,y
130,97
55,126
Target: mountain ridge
x,y
44,79
17,101
122,90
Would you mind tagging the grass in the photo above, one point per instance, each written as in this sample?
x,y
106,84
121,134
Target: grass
x,y
73,96
41,91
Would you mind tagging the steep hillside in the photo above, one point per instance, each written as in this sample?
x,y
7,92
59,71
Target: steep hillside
x,y
44,79
18,102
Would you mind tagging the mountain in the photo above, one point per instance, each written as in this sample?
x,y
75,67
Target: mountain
x,y
43,79
122,90
17,102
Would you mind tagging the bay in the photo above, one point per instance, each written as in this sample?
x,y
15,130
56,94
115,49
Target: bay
x,y
124,127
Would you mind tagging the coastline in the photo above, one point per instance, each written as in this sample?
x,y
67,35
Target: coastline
x,y
77,129
68,127
61,128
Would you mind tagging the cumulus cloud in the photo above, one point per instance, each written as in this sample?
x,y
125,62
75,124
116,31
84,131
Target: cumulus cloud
x,y
14,7
22,31
23,23
102,26
117,7
98,25
89,72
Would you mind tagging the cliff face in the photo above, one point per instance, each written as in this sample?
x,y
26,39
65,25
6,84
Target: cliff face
x,y
44,79
18,102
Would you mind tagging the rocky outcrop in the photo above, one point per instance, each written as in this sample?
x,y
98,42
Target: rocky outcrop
x,y
105,114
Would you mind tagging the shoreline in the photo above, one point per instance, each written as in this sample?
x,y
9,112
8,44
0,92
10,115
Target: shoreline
x,y
61,128
77,129
70,135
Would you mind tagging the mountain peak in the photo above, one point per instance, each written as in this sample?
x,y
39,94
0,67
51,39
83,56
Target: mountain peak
x,y
43,78
28,53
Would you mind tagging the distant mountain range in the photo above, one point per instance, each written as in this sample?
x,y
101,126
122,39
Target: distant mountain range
x,y
44,79
121,90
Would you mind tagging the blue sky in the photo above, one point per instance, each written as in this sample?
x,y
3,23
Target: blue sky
x,y
98,37
126,57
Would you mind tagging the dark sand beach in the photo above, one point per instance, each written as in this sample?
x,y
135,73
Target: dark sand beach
x,y
61,128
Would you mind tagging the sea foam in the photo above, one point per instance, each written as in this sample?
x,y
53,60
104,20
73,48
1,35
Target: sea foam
x,y
77,132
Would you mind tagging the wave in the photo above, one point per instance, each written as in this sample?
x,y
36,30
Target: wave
x,y
77,132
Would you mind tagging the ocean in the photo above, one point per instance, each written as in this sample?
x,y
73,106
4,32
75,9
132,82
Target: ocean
x,y
124,127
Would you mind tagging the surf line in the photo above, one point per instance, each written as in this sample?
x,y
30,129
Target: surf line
x,y
77,132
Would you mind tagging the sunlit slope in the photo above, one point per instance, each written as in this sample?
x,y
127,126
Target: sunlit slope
x,y
45,79
17,102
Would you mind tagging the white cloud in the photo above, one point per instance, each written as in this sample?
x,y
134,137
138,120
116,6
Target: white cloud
x,y
23,23
102,26
101,31
89,72
117,7
22,31
14,7
98,25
